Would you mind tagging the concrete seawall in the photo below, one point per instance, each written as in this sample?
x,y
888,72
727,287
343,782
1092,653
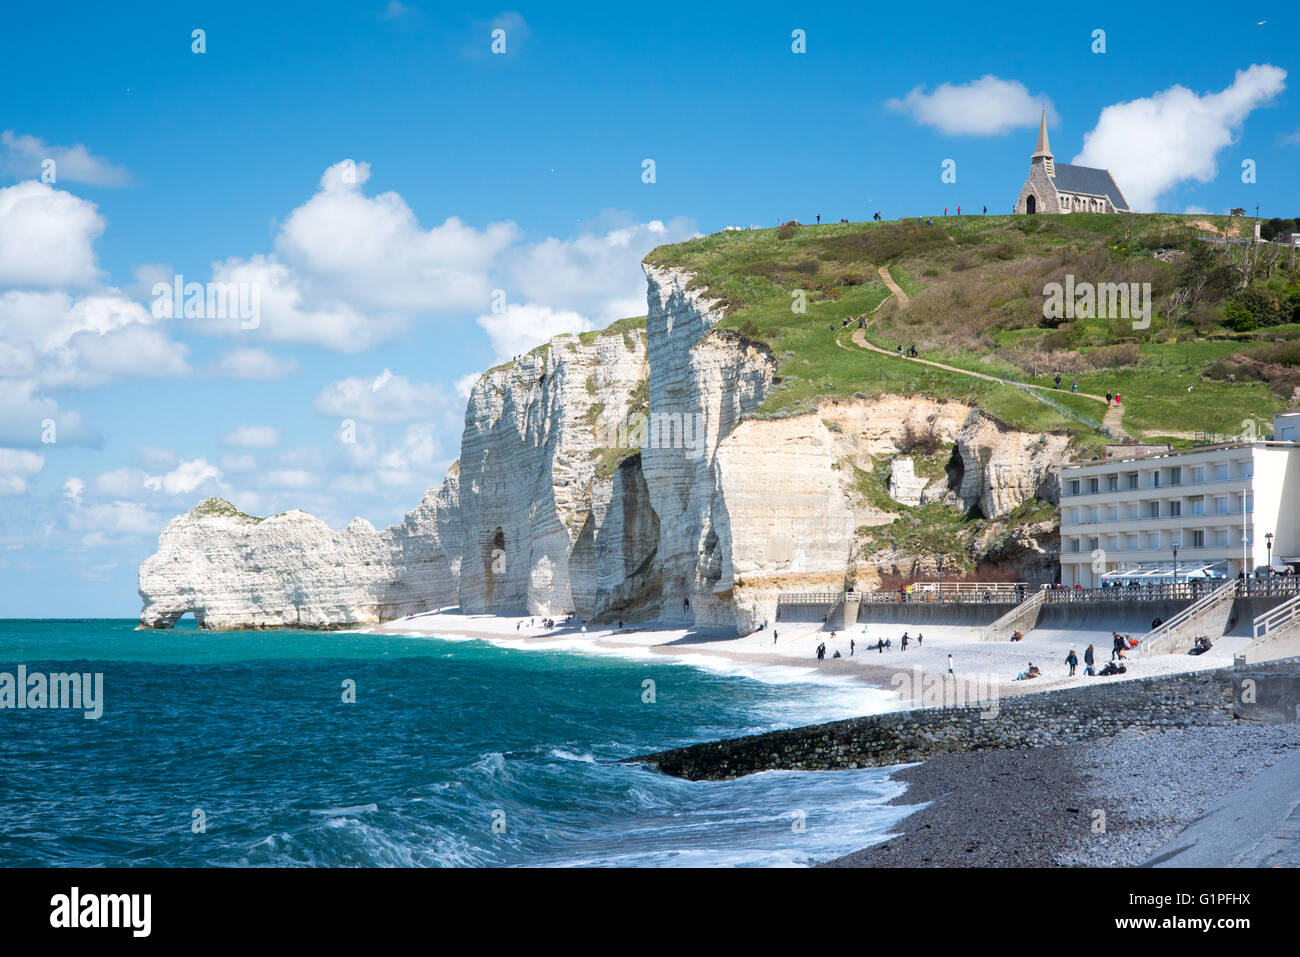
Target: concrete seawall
x,y
1023,721
930,613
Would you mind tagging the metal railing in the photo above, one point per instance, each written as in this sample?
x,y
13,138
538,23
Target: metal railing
x,y
1278,618
1162,631
1032,601
810,598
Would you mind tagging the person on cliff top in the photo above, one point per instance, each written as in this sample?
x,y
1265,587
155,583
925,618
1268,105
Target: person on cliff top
x,y
1073,661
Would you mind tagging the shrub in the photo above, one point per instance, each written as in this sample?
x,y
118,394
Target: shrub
x,y
787,230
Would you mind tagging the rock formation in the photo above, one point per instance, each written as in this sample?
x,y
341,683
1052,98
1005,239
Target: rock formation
x,y
293,571
628,474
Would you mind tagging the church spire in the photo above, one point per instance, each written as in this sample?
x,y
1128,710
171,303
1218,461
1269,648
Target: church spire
x,y
1044,148
1044,151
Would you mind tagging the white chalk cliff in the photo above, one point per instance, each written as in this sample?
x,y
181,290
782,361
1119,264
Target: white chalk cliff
x,y
699,510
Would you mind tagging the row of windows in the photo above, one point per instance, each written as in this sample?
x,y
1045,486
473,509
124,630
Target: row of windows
x,y
1173,475
1160,541
1157,508
1081,204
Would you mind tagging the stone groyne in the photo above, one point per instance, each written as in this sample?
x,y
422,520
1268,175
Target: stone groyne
x,y
1021,721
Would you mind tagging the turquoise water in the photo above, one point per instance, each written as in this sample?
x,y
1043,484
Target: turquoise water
x,y
454,753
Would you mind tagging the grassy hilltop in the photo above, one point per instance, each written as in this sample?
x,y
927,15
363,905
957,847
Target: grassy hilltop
x,y
1226,319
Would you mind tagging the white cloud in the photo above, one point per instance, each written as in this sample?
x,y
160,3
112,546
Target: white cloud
x,y
188,476
56,340
385,398
984,107
73,489
1153,144
521,328
412,460
24,155
598,272
24,414
253,364
17,466
47,237
465,384
252,436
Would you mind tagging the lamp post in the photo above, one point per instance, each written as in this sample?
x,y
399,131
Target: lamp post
x,y
1268,540
940,563
1176,543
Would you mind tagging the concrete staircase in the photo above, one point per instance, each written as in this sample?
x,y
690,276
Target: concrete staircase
x,y
1022,618
1209,616
1276,633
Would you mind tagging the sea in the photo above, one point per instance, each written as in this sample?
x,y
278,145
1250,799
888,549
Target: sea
x,y
334,749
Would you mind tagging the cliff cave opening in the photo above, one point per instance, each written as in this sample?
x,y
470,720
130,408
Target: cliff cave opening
x,y
494,562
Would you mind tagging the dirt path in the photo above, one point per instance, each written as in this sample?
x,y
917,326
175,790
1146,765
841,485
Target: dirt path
x,y
1113,419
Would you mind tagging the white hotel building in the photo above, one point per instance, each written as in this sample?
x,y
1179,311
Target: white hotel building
x,y
1122,517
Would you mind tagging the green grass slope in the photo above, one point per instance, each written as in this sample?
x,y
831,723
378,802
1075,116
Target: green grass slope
x,y
1223,345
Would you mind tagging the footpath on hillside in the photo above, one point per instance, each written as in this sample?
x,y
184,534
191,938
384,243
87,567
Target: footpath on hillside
x,y
1113,419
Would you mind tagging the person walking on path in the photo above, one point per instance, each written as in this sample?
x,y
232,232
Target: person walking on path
x,y
1058,380
1073,661
1074,387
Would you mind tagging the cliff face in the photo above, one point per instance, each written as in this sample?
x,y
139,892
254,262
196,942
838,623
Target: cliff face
x,y
624,476
293,571
532,490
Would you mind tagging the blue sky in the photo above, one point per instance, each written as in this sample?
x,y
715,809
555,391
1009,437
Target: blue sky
x,y
472,171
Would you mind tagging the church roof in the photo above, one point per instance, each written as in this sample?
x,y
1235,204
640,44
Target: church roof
x,y
1094,182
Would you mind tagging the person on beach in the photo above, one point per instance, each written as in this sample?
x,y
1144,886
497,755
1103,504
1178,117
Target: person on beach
x,y
1087,661
880,646
851,646
950,664
773,636
1073,661
904,641
919,636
